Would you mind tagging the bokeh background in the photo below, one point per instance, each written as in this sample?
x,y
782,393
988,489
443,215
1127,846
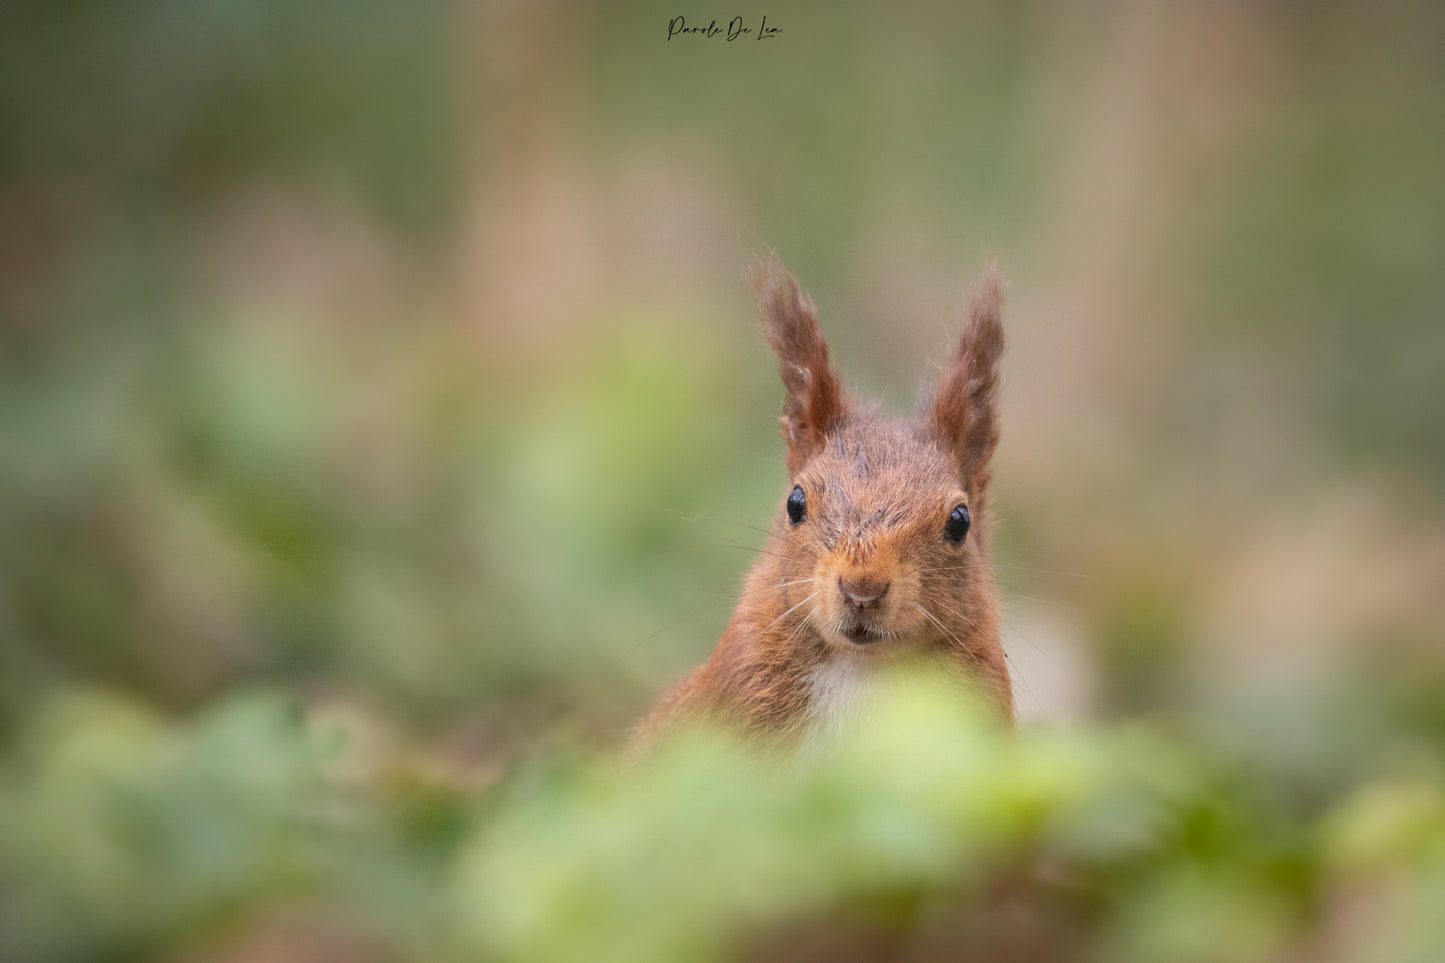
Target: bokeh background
x,y
393,361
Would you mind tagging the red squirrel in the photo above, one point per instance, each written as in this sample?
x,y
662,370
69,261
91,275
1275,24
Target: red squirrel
x,y
877,553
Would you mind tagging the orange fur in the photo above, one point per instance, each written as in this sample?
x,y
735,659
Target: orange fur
x,y
866,576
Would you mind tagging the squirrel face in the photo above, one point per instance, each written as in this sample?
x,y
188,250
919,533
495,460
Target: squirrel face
x,y
876,542
876,529
878,547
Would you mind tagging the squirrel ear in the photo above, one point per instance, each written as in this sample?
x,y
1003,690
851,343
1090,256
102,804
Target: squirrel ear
x,y
964,414
815,403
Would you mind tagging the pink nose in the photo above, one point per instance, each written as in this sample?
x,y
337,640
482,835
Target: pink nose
x,y
862,593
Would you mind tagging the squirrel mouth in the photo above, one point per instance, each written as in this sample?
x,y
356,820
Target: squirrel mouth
x,y
860,634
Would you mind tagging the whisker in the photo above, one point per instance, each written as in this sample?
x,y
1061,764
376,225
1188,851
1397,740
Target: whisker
x,y
1013,670
1036,647
773,588
1003,592
1043,571
970,623
712,517
1019,595
620,657
785,532
794,608
934,619
1015,674
798,629
763,551
625,653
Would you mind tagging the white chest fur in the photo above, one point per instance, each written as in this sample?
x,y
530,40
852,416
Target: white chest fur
x,y
842,691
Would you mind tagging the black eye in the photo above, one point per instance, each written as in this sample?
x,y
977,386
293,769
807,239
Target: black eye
x,y
797,506
957,526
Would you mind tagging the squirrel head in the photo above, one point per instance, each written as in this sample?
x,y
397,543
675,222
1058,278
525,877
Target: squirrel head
x,y
881,535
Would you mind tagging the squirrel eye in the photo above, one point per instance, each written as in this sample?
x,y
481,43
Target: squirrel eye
x,y
797,505
957,526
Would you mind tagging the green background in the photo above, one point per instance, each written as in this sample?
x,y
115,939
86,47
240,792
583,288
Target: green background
x,y
381,405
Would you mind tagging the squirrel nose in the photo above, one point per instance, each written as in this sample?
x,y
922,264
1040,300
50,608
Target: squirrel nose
x,y
862,593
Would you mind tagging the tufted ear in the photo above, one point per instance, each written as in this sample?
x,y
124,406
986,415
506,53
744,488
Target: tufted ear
x,y
964,408
815,404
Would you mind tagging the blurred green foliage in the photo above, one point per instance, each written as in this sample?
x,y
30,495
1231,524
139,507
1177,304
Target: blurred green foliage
x,y
919,828
381,428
